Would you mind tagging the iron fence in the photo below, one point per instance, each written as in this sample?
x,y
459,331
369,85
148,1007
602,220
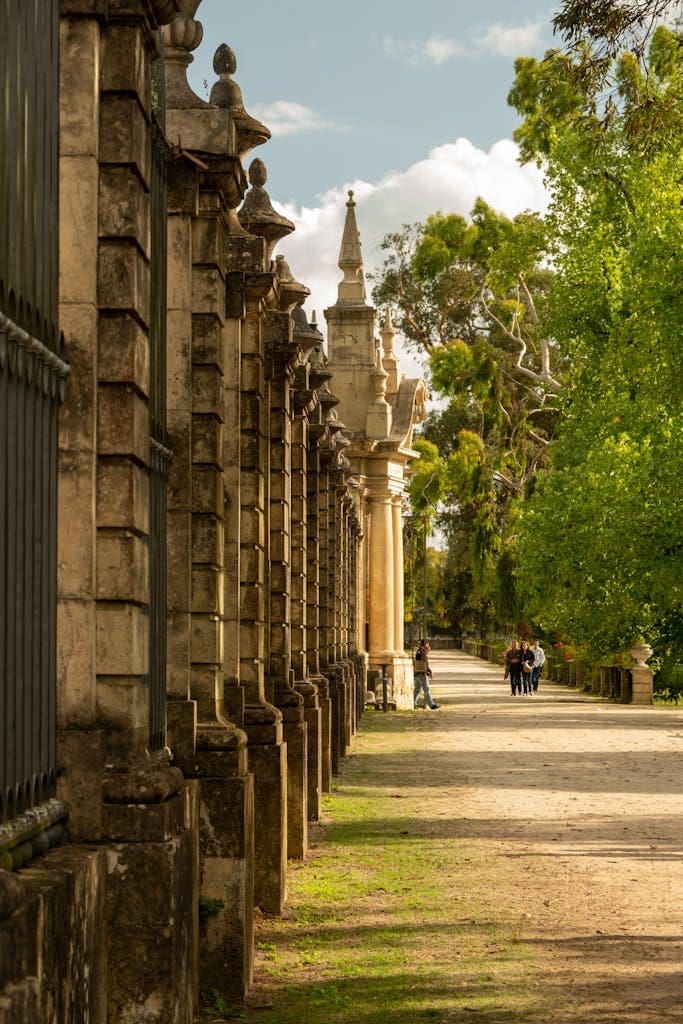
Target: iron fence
x,y
32,371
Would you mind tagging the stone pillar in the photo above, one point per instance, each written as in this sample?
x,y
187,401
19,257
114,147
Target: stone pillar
x,y
314,598
641,674
262,720
381,581
203,730
399,598
279,681
134,804
304,684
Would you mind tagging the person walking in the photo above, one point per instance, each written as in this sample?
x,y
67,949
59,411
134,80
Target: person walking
x,y
539,662
527,666
513,664
423,674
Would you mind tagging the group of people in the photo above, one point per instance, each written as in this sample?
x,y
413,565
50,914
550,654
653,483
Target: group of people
x,y
523,666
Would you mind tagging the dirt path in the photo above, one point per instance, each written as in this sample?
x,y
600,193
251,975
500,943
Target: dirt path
x,y
558,815
581,805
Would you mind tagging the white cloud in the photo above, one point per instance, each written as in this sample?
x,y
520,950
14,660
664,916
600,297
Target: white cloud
x,y
498,40
448,179
284,117
513,40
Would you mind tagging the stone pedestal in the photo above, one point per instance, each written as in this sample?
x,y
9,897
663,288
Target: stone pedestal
x,y
641,675
227,885
269,764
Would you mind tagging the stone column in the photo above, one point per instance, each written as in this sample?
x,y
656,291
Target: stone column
x,y
262,720
399,609
642,676
203,731
132,803
279,680
314,597
381,581
304,681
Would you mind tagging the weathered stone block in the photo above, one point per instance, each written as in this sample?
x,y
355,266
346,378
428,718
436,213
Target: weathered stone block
x,y
79,66
252,528
269,765
208,290
152,914
76,662
123,701
228,877
253,489
123,282
76,526
252,450
208,236
207,391
122,567
122,495
123,207
124,134
179,491
207,590
207,491
64,936
122,640
79,178
252,406
179,360
207,541
77,419
181,731
207,440
125,65
122,422
206,640
208,348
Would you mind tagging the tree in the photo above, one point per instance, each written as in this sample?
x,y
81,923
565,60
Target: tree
x,y
473,295
600,550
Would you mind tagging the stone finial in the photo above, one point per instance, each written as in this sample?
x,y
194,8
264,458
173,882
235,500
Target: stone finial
x,y
181,36
351,290
390,360
291,291
227,93
305,335
257,214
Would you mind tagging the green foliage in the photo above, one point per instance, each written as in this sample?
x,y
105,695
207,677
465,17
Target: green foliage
x,y
209,907
600,548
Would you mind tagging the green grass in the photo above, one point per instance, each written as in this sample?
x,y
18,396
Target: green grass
x,y
390,921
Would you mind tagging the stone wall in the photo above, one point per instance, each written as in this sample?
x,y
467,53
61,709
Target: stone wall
x,y
190,356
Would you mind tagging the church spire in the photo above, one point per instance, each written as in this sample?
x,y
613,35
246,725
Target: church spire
x,y
351,290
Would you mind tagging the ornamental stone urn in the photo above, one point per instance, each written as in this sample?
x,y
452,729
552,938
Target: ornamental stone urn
x,y
641,674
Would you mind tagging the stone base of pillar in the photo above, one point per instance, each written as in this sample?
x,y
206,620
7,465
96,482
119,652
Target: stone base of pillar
x,y
335,677
227,886
53,939
400,669
295,735
268,762
151,911
641,692
312,718
325,703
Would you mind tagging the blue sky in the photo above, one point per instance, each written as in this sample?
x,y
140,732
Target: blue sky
x,y
404,102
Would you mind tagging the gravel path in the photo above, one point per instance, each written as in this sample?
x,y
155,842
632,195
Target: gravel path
x,y
580,803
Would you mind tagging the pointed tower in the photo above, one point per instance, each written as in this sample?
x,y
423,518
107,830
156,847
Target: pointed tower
x,y
379,407
352,347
